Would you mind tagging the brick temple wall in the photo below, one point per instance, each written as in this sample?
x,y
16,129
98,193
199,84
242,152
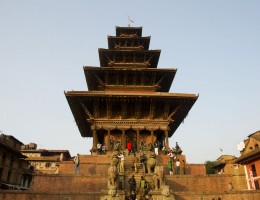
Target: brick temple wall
x,y
32,195
89,187
98,164
69,183
205,183
90,164
89,184
96,183
234,195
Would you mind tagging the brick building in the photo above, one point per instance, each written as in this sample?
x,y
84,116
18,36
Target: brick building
x,y
15,171
226,164
44,161
250,158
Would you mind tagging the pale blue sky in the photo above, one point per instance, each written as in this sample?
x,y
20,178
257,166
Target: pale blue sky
x,y
214,44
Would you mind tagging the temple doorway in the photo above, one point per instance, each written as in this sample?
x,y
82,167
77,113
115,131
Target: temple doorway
x,y
131,136
100,136
160,139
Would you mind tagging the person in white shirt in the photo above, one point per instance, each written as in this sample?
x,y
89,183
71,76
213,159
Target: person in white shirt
x,y
177,169
99,148
121,165
77,164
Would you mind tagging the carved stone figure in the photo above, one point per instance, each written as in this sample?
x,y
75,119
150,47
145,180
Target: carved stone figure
x,y
111,194
112,191
112,176
158,177
165,191
114,160
151,162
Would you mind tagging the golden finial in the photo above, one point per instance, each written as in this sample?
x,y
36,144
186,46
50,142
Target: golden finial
x,y
130,21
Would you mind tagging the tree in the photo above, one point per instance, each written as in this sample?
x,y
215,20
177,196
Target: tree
x,y
210,167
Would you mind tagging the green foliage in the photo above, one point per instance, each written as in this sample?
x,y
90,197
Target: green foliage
x,y
210,167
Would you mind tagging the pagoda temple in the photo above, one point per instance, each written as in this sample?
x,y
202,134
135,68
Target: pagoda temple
x,y
128,97
128,100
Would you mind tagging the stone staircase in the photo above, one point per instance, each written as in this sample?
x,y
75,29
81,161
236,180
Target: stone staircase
x,y
130,170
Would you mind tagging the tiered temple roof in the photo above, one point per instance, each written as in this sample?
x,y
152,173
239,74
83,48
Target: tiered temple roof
x,y
127,91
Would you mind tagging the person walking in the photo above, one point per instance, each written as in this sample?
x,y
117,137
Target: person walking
x,y
156,148
99,148
132,195
172,156
132,184
183,167
122,161
129,147
77,164
135,163
170,167
143,187
177,169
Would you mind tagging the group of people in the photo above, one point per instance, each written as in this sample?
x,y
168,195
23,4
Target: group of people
x,y
132,147
174,162
100,149
179,167
143,186
177,150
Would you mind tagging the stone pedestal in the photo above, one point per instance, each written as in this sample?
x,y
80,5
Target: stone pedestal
x,y
112,194
163,194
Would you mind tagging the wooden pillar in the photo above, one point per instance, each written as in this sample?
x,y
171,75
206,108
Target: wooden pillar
x,y
152,135
95,139
123,140
138,139
108,139
166,140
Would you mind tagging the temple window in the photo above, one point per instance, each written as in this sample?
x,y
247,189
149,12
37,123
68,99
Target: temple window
x,y
1,173
47,164
9,176
3,158
12,162
42,165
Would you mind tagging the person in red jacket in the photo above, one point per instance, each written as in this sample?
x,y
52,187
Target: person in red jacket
x,y
129,147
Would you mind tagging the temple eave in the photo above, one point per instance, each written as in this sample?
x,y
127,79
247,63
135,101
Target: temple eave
x,y
119,94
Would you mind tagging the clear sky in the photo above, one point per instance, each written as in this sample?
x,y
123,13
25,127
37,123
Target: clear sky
x,y
215,45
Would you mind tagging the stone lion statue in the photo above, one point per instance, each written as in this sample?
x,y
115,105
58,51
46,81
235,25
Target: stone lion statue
x,y
151,162
112,176
158,177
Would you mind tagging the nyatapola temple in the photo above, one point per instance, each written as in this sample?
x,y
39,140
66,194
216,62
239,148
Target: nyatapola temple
x,y
131,116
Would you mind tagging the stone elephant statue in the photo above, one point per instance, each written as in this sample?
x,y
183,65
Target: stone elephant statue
x,y
114,160
151,162
112,176
158,177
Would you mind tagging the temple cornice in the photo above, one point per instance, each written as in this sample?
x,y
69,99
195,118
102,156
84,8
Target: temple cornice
x,y
130,124
123,58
